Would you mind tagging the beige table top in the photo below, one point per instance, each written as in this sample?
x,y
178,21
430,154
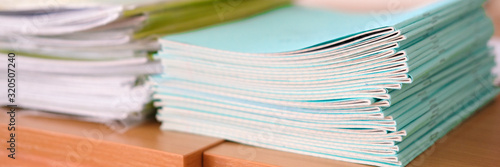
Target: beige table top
x,y
63,142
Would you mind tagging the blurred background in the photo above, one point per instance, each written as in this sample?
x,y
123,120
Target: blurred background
x,y
492,6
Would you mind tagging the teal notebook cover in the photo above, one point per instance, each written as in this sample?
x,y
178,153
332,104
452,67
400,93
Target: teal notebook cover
x,y
304,28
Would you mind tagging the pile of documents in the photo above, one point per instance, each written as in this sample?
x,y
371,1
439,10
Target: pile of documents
x,y
91,58
337,85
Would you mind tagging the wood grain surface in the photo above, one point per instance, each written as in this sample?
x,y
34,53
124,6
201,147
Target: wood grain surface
x,y
476,142
69,143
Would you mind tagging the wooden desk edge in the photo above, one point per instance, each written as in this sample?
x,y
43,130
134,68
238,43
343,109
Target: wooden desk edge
x,y
49,141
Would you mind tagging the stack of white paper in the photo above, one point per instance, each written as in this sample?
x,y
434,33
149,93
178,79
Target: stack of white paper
x,y
91,58
337,85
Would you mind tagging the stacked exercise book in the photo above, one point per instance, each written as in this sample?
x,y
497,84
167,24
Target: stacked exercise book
x,y
90,58
337,85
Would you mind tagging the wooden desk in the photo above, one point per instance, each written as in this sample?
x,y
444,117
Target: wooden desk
x,y
69,143
476,142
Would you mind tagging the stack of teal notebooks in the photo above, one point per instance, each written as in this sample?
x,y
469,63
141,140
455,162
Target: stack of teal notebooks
x,y
337,85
